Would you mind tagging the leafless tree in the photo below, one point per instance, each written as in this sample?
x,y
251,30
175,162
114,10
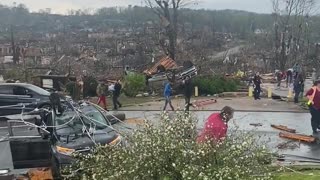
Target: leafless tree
x,y
290,22
167,10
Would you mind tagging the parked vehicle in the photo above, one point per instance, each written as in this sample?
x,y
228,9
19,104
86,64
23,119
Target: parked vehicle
x,y
77,128
14,95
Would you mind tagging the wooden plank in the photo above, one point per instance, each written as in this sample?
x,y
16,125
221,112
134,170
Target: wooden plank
x,y
298,137
283,128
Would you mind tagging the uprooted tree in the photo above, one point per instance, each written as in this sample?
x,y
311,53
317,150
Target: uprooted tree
x,y
291,30
167,10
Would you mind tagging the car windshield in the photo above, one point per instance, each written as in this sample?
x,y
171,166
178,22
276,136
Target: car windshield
x,y
90,117
38,90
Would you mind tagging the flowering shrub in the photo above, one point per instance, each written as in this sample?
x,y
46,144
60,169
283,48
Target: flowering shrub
x,y
168,151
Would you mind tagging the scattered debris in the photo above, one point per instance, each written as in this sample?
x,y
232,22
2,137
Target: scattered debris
x,y
204,102
288,145
283,128
256,124
298,137
40,173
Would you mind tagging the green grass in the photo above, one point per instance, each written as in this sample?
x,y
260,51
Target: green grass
x,y
300,175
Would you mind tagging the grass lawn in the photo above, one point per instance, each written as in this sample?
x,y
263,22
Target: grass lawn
x,y
300,175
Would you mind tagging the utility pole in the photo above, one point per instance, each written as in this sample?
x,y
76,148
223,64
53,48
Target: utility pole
x,y
14,53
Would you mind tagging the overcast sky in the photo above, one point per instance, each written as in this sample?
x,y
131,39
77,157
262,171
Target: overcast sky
x,y
62,6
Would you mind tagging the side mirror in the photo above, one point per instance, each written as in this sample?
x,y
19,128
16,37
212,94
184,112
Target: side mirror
x,y
30,95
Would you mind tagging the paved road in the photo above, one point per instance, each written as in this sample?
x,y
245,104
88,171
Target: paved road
x,y
284,91
265,134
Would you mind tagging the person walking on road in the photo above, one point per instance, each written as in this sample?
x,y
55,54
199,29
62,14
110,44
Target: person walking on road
x,y
297,87
216,126
116,94
278,75
289,77
101,92
313,96
167,95
257,86
187,86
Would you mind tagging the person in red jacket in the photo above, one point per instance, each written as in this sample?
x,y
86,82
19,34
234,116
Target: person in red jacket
x,y
216,126
313,96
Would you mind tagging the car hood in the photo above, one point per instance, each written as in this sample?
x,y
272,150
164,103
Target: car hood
x,y
83,141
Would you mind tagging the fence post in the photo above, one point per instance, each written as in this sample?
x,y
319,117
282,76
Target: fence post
x,y
250,91
196,91
269,92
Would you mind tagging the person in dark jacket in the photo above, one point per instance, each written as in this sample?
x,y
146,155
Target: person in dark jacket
x,y
187,87
116,94
257,86
297,87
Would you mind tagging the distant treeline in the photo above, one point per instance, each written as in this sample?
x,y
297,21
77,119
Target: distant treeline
x,y
228,21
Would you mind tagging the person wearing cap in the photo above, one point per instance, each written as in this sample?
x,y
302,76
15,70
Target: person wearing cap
x,y
313,96
216,126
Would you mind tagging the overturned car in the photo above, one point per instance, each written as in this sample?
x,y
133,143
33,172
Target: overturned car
x,y
167,70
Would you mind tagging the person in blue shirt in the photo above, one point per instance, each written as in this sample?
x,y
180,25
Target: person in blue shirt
x,y
167,95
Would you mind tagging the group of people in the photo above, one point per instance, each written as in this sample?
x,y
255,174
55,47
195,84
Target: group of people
x,y
102,90
187,91
293,76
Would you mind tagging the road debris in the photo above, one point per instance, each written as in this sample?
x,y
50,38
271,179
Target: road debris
x,y
256,124
297,137
135,121
288,145
283,128
40,173
201,103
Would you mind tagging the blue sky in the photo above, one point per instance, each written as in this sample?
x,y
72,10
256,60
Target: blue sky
x,y
62,6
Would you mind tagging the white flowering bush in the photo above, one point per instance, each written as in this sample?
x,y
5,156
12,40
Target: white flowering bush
x,y
169,151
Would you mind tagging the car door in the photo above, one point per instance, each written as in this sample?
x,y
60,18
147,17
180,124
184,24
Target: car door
x,y
6,100
25,97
